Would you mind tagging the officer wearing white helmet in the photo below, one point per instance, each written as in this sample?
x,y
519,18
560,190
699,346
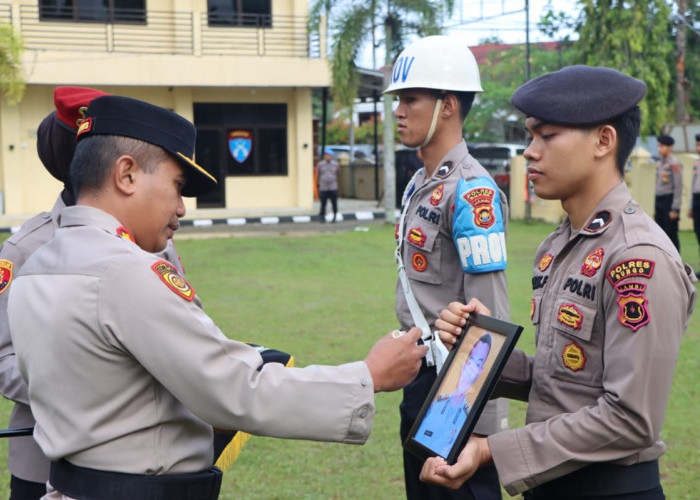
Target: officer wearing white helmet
x,y
451,233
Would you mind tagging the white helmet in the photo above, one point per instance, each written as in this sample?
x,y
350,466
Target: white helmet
x,y
436,62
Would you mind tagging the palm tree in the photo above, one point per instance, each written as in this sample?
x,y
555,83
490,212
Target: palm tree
x,y
11,79
355,23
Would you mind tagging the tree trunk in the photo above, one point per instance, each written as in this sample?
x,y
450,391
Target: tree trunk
x,y
681,115
389,167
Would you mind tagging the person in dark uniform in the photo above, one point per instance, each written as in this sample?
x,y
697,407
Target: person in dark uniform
x,y
327,174
694,210
669,188
612,300
451,233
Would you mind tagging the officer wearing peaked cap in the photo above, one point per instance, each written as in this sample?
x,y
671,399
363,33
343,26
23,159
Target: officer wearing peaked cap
x,y
610,293
117,352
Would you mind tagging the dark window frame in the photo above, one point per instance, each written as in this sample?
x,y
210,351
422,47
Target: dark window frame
x,y
239,16
109,14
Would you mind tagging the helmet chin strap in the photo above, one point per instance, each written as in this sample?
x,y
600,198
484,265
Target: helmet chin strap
x,y
433,123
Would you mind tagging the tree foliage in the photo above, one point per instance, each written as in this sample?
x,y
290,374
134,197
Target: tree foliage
x,y
12,82
632,36
354,25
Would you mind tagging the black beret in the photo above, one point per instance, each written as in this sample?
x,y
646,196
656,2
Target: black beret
x,y
117,115
666,140
579,95
55,137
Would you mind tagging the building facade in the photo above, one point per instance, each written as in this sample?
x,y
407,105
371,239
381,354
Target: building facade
x,y
242,70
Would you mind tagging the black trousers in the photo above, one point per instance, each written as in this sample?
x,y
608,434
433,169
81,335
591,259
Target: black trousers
x,y
26,490
484,485
662,206
325,196
653,494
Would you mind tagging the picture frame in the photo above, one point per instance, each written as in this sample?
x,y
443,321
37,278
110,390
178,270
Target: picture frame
x,y
462,388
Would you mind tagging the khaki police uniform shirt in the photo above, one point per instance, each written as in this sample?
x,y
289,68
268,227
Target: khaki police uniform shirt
x,y
669,180
328,175
432,260
126,372
26,461
611,303
696,177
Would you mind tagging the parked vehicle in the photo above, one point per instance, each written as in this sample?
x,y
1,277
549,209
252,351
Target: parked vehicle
x,y
496,158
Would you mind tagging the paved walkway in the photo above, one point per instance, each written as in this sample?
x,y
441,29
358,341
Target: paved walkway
x,y
206,221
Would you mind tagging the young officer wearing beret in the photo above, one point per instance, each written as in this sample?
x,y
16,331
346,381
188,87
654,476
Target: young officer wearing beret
x,y
55,144
127,378
669,189
451,234
694,210
611,302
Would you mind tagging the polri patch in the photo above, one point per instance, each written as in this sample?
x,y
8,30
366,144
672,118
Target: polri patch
x,y
633,312
5,274
420,262
630,268
437,195
481,200
592,262
169,275
570,315
545,262
573,356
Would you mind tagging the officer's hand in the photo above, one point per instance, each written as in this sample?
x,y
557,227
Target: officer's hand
x,y
690,213
474,455
673,215
394,360
453,318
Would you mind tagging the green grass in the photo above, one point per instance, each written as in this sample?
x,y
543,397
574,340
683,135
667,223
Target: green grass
x,y
325,298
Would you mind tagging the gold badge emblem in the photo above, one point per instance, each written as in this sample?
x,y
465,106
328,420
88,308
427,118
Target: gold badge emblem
x,y
5,274
169,275
573,357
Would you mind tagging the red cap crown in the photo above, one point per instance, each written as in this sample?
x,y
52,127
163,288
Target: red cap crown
x,y
71,104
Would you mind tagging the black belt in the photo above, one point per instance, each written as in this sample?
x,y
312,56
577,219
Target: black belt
x,y
601,479
91,484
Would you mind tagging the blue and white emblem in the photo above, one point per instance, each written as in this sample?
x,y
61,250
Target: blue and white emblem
x,y
240,144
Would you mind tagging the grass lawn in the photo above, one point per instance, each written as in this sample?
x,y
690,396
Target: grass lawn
x,y
325,298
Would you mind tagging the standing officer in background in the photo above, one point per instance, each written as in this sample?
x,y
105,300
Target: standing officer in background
x,y
327,174
28,466
694,210
611,302
669,188
451,234
131,358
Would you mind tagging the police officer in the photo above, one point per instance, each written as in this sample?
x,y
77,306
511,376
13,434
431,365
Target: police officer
x,y
669,187
611,302
126,373
28,466
451,234
327,173
694,210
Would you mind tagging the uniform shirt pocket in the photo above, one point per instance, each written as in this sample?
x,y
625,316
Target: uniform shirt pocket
x,y
423,254
576,354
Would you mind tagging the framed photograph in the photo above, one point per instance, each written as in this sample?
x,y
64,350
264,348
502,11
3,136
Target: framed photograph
x,y
462,388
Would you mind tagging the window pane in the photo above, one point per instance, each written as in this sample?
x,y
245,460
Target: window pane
x,y
93,10
133,11
55,9
222,12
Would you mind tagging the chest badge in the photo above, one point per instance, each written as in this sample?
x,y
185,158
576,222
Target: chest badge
x,y
5,274
419,262
545,262
417,237
437,195
570,315
573,356
169,275
592,263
